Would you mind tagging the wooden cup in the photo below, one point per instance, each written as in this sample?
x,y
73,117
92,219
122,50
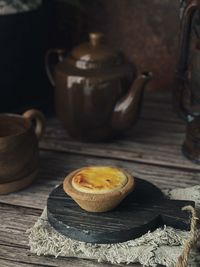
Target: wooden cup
x,y
19,154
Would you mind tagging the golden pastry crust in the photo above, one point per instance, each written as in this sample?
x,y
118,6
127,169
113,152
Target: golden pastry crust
x,y
97,200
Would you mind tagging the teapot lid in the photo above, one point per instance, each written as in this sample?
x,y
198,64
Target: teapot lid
x,y
94,54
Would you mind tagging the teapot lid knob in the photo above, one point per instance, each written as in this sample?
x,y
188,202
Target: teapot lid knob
x,y
96,38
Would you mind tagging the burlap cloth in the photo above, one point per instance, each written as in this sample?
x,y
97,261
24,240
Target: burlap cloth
x,y
163,246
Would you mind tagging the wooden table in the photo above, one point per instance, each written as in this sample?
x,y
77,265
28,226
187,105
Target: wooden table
x,y
151,150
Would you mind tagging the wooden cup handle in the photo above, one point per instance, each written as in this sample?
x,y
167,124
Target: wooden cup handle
x,y
34,114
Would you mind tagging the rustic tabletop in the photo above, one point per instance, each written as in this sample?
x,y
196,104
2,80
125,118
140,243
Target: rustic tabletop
x,y
151,151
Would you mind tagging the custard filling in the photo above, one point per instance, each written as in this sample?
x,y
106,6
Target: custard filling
x,y
99,180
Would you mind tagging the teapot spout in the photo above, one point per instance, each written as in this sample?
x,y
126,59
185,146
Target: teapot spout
x,y
127,108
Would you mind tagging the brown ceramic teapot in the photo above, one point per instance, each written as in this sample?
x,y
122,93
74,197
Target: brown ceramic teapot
x,y
94,94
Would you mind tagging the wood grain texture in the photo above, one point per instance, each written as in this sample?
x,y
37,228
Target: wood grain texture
x,y
14,241
19,255
54,166
151,151
156,141
10,263
143,210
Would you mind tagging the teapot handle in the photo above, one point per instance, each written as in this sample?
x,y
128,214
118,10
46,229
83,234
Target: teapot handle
x,y
50,66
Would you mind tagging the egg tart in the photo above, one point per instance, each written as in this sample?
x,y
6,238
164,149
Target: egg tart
x,y
98,188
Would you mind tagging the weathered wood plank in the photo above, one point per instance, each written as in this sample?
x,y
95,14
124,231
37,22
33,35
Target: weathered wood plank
x,y
14,250
10,263
144,131
55,128
120,224
22,255
151,150
54,167
14,222
166,155
158,105
152,142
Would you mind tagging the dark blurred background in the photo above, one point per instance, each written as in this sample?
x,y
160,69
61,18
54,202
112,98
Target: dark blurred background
x,y
146,31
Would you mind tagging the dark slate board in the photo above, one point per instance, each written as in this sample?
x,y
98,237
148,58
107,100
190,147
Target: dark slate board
x,y
144,209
